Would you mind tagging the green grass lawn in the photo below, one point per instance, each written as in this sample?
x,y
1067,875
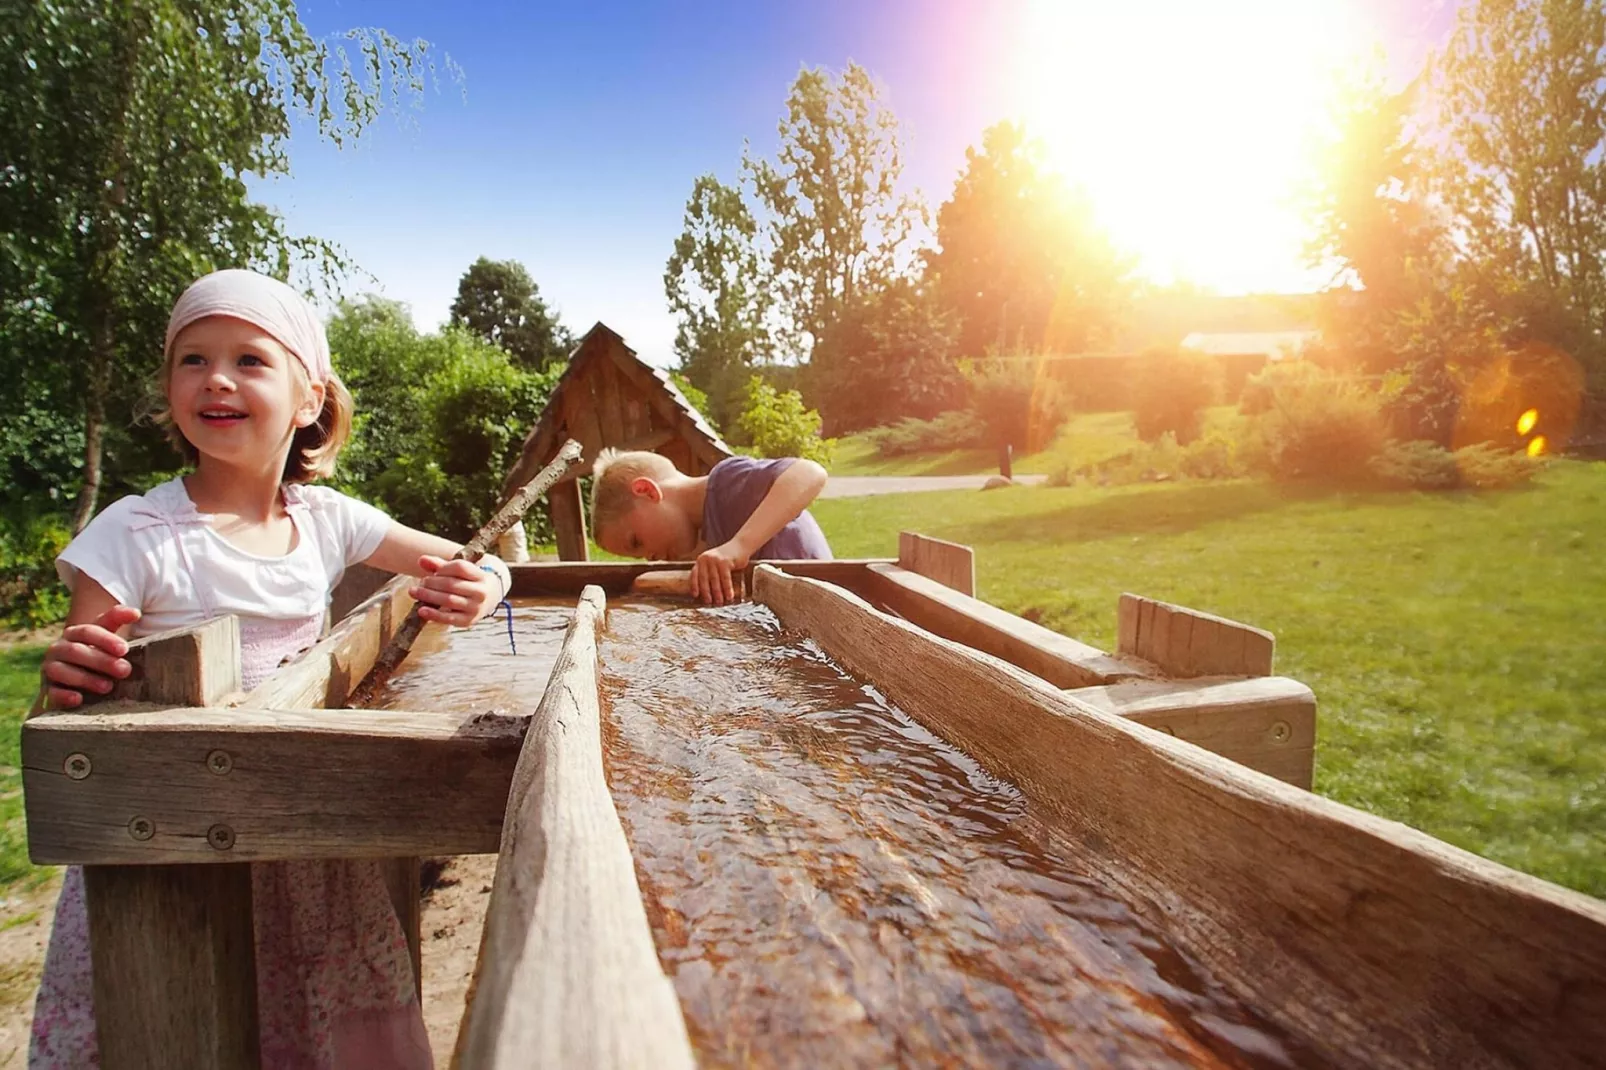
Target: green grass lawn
x,y
19,681
1456,642
1087,438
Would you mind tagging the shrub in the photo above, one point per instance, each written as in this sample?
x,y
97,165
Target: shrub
x,y
779,426
31,596
1489,467
1018,402
1320,427
1416,465
1260,388
949,431
1172,391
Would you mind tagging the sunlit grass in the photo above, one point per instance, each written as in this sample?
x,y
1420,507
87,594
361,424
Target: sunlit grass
x,y
19,682
1454,641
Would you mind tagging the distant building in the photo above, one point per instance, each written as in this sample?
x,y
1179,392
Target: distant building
x,y
1273,345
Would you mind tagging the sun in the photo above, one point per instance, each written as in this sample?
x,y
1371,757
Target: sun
x,y
1189,124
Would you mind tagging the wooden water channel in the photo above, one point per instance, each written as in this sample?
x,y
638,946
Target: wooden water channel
x,y
1177,762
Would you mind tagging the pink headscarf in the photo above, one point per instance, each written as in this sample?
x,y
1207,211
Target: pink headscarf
x,y
262,302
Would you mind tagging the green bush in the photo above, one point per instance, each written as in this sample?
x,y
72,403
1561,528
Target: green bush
x,y
1488,467
1320,427
1416,465
1260,388
949,431
1171,393
778,424
1213,457
1018,402
31,596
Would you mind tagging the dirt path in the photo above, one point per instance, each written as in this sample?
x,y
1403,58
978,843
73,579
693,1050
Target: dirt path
x,y
454,911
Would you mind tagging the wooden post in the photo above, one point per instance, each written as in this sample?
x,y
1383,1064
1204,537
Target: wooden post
x,y
949,563
569,521
172,949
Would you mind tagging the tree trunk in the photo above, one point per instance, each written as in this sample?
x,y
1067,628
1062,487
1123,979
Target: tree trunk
x,y
100,364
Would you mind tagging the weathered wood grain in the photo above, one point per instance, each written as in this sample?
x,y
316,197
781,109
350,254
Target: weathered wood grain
x,y
1183,642
1377,945
1060,660
569,521
567,972
326,675
213,786
201,663
949,563
1267,723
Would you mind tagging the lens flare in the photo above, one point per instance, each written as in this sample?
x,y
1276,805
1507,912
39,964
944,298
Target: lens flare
x,y
1536,445
1526,421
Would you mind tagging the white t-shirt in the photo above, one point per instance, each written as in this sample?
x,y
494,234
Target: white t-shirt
x,y
155,552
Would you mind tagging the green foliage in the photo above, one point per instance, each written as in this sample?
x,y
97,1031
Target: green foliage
x,y
778,425
715,286
1488,467
889,354
497,300
1322,428
834,223
1020,404
1172,391
1214,456
129,132
951,430
1021,261
31,596
695,397
440,418
1418,465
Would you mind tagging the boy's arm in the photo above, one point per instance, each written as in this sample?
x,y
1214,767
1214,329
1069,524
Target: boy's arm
x,y
789,495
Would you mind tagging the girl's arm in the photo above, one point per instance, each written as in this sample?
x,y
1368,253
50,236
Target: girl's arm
x,y
88,658
453,592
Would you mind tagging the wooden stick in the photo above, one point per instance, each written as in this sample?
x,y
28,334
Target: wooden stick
x,y
402,642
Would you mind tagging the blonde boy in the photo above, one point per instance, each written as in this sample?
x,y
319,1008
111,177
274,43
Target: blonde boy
x,y
744,509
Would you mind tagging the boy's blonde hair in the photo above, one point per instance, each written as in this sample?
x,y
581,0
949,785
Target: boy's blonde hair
x,y
313,448
611,476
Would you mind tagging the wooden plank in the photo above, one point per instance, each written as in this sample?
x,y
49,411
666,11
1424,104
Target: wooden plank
x,y
646,384
567,972
201,663
331,670
1374,944
1185,642
648,442
213,785
569,521
1060,660
949,563
610,409
360,583
539,578
1267,723
174,964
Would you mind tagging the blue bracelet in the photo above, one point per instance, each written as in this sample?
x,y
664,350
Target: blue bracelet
x,y
498,575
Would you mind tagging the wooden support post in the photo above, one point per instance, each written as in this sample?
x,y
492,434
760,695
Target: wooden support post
x,y
949,563
173,954
569,521
1183,642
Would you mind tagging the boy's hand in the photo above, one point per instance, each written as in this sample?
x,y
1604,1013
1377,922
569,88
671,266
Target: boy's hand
x,y
87,659
455,592
712,581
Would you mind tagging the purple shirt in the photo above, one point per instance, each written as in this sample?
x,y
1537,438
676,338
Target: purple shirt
x,y
736,486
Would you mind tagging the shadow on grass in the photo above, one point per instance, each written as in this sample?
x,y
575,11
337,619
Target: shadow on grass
x,y
1164,510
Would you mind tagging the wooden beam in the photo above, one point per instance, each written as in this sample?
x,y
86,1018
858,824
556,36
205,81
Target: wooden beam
x,y
1062,661
1183,642
174,963
569,521
1374,944
1267,723
247,785
360,583
639,377
203,662
949,563
327,674
541,578
567,972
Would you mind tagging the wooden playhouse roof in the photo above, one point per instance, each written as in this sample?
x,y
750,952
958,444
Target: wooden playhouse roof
x,y
610,398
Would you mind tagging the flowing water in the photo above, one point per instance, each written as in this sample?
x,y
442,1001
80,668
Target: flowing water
x,y
830,884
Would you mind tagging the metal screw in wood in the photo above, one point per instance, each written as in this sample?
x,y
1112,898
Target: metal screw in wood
x,y
219,762
220,836
1281,732
142,828
77,766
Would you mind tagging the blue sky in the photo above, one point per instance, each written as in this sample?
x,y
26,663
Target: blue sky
x,y
584,125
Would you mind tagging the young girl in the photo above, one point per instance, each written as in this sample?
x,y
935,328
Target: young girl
x,y
253,403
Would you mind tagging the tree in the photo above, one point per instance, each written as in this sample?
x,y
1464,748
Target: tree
x,y
1021,260
779,425
1520,108
497,300
128,128
890,355
835,223
714,286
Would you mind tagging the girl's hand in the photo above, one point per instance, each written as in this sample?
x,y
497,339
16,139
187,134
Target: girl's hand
x,y
455,592
712,579
87,659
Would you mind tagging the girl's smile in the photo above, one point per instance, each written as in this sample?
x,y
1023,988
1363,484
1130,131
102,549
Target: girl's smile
x,y
236,393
